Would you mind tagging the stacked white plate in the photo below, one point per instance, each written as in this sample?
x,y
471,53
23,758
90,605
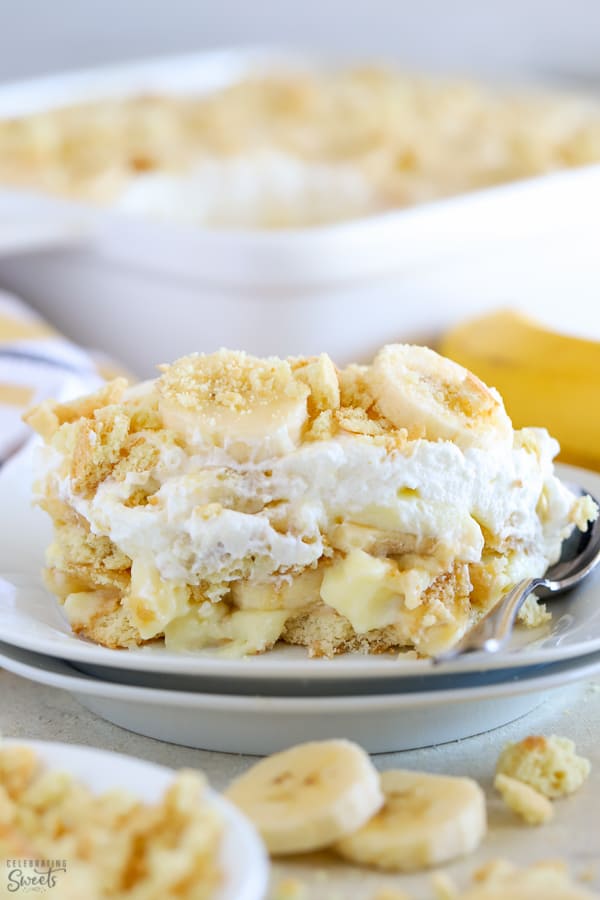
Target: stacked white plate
x,y
261,704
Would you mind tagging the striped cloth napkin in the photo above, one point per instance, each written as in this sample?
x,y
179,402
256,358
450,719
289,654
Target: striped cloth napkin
x,y
36,363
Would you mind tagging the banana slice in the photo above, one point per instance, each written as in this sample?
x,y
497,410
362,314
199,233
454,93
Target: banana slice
x,y
426,820
253,407
309,796
302,591
414,386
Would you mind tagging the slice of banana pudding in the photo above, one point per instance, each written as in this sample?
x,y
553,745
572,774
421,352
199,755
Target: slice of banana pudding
x,y
235,502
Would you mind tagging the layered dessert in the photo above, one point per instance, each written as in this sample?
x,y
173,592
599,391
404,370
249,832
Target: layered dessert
x,y
297,148
237,502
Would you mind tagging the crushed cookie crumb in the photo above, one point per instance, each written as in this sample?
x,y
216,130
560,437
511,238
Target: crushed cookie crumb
x,y
444,886
320,376
550,765
354,389
525,801
98,444
356,421
138,455
229,379
290,889
390,893
323,428
500,879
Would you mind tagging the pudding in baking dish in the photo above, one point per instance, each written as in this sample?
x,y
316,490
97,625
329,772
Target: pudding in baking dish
x,y
297,148
235,502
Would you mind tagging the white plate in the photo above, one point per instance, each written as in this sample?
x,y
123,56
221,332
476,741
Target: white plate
x,y
32,619
243,857
260,725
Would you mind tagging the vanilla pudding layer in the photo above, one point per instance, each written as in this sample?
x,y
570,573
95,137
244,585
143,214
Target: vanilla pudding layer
x,y
235,502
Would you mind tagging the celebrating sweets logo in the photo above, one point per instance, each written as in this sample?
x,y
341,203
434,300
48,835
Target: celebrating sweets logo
x,y
33,875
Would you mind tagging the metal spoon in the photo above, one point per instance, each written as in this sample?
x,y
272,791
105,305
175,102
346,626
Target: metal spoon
x,y
580,554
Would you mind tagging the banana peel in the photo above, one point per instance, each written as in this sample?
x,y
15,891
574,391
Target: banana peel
x,y
546,378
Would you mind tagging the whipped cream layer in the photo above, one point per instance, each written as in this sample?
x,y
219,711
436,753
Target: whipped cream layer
x,y
214,519
261,190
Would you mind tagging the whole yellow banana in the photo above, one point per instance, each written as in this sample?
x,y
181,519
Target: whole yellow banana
x,y
545,378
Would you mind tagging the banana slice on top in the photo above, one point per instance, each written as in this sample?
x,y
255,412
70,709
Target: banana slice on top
x,y
309,796
426,820
253,407
415,386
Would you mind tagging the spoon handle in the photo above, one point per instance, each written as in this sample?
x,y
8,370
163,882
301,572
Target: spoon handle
x,y
493,631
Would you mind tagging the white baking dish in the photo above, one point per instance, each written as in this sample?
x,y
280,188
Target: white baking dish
x,y
148,292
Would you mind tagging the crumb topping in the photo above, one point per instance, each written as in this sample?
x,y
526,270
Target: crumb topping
x,y
232,380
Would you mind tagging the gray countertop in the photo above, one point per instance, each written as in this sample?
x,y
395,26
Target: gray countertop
x,y
30,710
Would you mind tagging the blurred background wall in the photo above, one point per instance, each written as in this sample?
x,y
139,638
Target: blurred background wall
x,y
548,38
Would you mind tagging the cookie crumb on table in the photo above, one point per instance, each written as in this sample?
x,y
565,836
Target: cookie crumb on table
x,y
290,889
550,765
444,886
388,893
547,880
525,801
